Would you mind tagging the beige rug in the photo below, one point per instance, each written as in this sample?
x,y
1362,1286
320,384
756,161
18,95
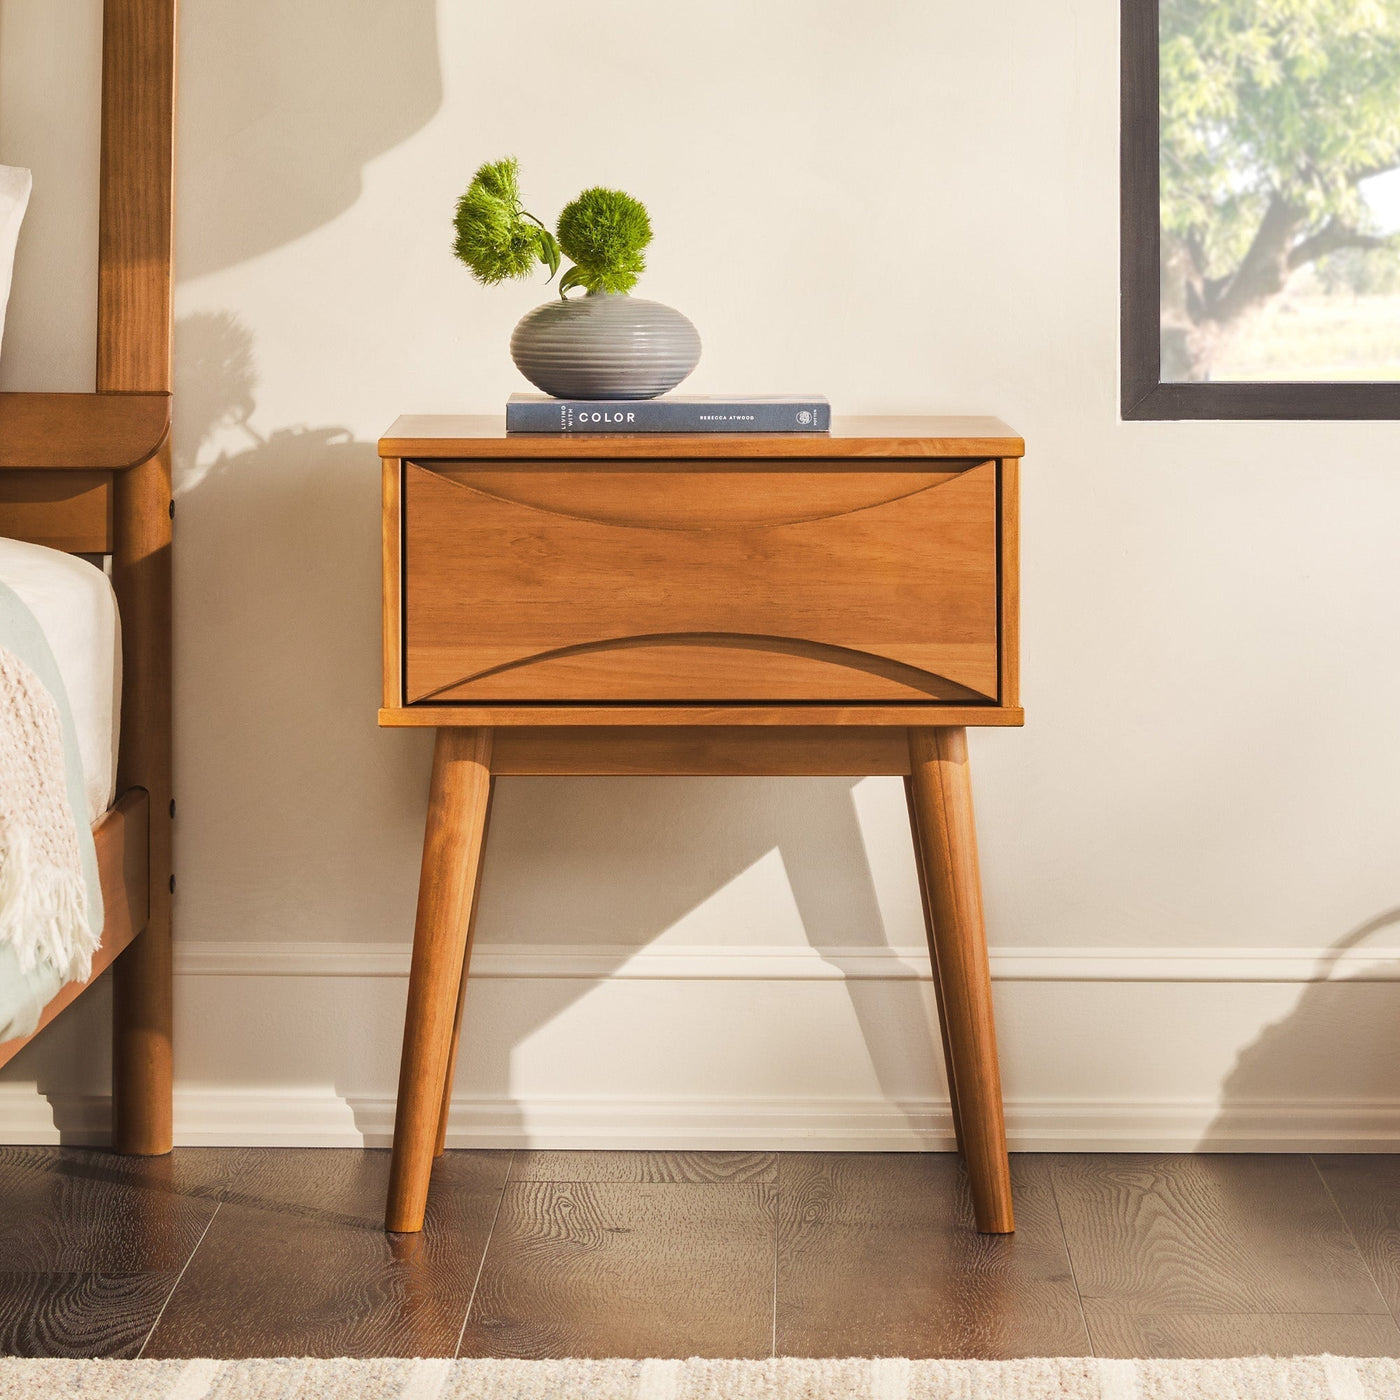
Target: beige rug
x,y
1256,1378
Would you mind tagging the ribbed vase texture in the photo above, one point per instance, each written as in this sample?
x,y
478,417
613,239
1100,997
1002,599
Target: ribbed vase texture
x,y
605,347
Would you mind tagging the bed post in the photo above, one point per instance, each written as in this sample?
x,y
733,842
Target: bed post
x,y
134,353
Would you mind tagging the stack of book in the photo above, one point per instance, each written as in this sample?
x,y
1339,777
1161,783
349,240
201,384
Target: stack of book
x,y
674,413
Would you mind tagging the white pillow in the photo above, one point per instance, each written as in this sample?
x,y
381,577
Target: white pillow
x,y
15,184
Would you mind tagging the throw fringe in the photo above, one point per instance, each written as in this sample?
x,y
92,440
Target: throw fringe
x,y
43,908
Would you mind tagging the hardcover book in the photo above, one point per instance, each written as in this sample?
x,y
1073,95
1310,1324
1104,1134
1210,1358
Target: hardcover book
x,y
673,413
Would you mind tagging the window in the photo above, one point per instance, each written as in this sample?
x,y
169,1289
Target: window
x,y
1261,209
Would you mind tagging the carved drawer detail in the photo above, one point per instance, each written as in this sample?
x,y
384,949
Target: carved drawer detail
x,y
700,581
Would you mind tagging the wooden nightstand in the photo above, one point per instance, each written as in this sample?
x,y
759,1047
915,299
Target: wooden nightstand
x,y
807,605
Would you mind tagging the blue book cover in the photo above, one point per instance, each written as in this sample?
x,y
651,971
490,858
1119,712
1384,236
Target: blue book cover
x,y
674,413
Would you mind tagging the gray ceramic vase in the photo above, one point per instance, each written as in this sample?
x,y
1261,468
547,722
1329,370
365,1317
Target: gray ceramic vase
x,y
605,346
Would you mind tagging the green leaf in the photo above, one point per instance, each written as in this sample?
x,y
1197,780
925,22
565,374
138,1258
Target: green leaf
x,y
574,277
549,252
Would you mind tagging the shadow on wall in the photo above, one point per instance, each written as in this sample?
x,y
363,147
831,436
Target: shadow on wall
x,y
1339,1035
294,100
280,557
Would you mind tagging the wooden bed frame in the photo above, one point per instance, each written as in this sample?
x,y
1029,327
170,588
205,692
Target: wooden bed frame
x,y
90,474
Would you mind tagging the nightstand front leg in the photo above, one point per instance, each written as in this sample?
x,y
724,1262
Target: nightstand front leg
x,y
453,845
941,789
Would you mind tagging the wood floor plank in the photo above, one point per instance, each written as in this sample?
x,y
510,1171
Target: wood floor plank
x,y
1201,1336
296,1263
1366,1189
91,1243
1209,1233
878,1256
80,1315
81,1211
644,1166
627,1269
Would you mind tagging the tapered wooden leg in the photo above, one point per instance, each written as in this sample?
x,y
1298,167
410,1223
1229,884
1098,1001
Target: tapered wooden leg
x,y
933,958
942,793
453,844
462,986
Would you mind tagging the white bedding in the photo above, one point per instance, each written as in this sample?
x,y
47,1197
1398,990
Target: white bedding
x,y
74,604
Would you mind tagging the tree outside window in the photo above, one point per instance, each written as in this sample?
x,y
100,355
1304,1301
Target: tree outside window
x,y
1279,195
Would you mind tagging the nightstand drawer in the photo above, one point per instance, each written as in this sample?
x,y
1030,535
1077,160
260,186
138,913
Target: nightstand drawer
x,y
743,581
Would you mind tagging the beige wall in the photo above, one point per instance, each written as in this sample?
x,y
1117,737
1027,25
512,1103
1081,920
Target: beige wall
x,y
909,207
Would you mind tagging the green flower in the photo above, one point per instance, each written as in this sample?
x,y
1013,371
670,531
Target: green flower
x,y
496,238
604,232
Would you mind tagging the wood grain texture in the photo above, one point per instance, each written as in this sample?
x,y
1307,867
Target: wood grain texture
x,y
940,786
143,1016
80,1314
455,1044
81,432
922,873
134,336
71,511
120,836
1009,578
391,526
136,204
612,1269
672,1168
716,751
876,1256
75,1211
296,1262
451,436
453,846
431,716
859,585
1199,1336
1153,1235
1366,1189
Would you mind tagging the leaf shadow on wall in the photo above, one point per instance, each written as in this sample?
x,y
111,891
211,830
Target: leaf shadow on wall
x,y
293,101
1342,1032
279,561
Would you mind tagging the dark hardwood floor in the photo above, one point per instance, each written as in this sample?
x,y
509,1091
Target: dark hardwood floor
x,y
264,1252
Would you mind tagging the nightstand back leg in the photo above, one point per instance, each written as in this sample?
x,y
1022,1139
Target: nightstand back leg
x,y
941,788
453,844
462,986
933,958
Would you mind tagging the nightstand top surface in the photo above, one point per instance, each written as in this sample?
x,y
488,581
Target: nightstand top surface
x,y
443,436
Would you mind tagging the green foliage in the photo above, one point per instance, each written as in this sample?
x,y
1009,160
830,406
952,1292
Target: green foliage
x,y
1269,101
605,232
1360,272
496,238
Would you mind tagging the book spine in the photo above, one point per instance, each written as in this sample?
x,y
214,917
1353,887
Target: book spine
x,y
659,416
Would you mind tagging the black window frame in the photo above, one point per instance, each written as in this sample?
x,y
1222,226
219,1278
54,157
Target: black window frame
x,y
1143,394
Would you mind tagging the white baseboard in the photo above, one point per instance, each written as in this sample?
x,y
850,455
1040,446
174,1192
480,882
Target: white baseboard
x,y
312,1118
791,963
319,1070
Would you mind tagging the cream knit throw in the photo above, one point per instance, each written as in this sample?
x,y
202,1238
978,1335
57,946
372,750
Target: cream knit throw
x,y
43,895
1249,1378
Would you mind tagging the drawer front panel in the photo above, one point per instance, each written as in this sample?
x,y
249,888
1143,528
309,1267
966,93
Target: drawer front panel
x,y
700,582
